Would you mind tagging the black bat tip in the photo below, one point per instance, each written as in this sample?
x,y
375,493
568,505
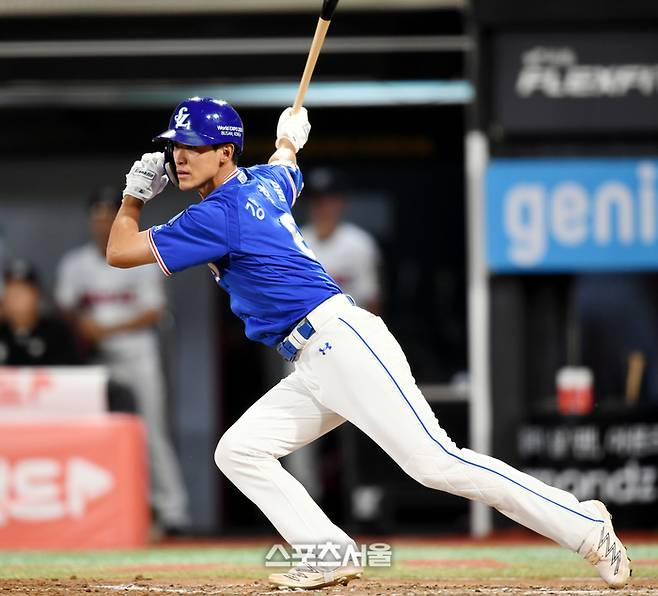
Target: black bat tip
x,y
328,7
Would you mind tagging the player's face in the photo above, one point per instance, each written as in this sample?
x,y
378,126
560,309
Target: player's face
x,y
196,167
21,303
326,212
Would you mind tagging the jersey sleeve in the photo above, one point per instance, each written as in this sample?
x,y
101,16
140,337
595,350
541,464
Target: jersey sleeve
x,y
197,235
289,177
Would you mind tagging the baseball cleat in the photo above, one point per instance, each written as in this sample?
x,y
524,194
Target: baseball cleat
x,y
306,577
605,551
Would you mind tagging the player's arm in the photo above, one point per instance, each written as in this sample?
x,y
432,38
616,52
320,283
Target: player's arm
x,y
94,332
291,135
284,154
127,246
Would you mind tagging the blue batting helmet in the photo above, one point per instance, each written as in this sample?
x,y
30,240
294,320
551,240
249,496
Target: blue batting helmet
x,y
201,121
204,121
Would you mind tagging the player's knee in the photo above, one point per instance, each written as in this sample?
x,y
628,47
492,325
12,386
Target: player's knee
x,y
421,475
228,452
431,470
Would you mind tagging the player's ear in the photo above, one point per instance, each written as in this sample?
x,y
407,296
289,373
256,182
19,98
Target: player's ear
x,y
225,152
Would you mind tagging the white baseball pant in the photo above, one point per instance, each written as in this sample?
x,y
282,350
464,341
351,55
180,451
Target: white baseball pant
x,y
143,375
353,369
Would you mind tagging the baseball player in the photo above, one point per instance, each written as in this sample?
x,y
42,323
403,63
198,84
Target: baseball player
x,y
347,364
117,311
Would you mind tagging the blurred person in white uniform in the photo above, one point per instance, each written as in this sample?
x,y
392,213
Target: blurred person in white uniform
x,y
351,256
116,312
347,252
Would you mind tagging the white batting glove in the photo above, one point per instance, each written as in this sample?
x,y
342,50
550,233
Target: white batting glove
x,y
147,177
294,127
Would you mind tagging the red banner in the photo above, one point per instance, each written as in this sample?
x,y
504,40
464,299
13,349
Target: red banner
x,y
73,483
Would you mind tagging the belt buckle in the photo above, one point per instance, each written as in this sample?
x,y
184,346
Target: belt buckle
x,y
293,344
305,329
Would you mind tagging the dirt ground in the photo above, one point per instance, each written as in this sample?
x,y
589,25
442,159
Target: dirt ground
x,y
142,586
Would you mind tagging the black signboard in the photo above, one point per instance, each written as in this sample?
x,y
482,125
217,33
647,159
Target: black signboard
x,y
584,82
611,458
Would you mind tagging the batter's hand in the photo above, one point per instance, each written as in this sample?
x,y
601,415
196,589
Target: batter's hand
x,y
146,178
294,127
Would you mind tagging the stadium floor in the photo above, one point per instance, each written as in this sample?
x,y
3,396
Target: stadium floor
x,y
420,567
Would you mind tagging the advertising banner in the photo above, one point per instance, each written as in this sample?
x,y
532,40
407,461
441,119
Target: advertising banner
x,y
584,82
572,215
33,391
613,458
73,483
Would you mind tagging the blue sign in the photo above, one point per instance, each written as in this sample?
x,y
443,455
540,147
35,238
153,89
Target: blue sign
x,y
572,215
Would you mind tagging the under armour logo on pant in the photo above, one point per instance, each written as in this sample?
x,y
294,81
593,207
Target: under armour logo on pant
x,y
327,346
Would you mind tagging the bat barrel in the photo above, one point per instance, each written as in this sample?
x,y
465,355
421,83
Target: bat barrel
x,y
318,40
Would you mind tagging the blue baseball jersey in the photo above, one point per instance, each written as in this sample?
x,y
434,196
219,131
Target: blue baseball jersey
x,y
245,232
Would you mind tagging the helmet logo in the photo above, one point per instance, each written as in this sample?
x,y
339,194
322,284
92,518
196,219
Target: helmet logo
x,y
182,118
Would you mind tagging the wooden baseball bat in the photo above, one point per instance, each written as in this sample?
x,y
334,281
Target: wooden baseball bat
x,y
636,364
328,7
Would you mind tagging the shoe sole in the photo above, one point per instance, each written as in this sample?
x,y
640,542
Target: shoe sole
x,y
342,579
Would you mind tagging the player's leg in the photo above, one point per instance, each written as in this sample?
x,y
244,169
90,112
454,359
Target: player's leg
x,y
286,418
366,379
304,463
168,495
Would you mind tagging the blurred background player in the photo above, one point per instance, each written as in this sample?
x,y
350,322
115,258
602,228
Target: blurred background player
x,y
116,313
29,334
348,253
351,257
